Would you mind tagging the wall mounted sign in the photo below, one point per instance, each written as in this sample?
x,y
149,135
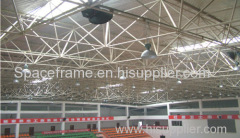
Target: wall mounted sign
x,y
54,120
204,116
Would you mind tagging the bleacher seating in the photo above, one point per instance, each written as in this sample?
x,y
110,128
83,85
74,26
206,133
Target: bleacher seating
x,y
112,133
13,136
67,135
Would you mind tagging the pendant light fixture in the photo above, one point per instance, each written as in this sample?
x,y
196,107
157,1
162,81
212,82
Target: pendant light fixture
x,y
179,81
77,83
235,56
26,70
15,81
236,68
148,54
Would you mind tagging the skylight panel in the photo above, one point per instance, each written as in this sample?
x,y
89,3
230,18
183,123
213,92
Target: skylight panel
x,y
50,10
205,44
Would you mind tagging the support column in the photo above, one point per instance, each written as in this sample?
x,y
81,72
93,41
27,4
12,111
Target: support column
x,y
127,114
145,114
48,108
63,115
145,111
238,103
98,115
168,113
200,107
18,116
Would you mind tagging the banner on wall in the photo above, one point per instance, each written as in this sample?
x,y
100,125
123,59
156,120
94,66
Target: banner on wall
x,y
54,120
204,116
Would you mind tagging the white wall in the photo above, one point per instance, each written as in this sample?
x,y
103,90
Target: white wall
x,y
109,124
12,128
24,128
79,125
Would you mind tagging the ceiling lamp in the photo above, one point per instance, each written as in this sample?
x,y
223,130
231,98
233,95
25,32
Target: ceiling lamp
x,y
148,54
122,77
234,55
236,68
16,81
179,81
77,84
133,86
26,70
97,16
153,88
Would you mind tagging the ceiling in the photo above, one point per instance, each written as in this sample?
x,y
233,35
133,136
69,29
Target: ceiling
x,y
189,35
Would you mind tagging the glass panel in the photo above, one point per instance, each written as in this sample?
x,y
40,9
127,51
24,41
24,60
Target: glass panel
x,y
189,105
8,106
221,113
157,111
8,116
80,107
184,113
136,111
34,107
40,107
41,115
220,104
81,115
113,111
176,123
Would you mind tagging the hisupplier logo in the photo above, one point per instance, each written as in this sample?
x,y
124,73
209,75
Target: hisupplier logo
x,y
174,131
145,74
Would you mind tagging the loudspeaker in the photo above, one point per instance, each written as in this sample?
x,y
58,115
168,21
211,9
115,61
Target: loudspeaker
x,y
97,17
128,117
64,119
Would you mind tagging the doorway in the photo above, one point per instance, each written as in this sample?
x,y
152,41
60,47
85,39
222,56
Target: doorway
x,y
71,127
52,128
139,124
94,126
31,131
89,127
118,125
7,131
